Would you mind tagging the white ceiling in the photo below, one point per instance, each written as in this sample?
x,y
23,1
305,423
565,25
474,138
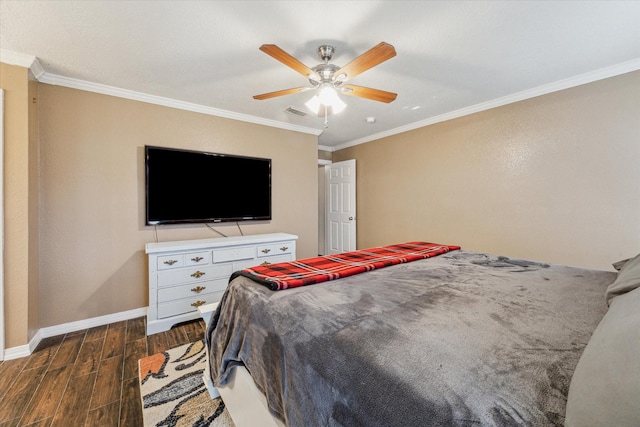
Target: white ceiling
x,y
453,57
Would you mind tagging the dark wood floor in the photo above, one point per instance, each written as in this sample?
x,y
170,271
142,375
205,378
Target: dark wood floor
x,y
85,378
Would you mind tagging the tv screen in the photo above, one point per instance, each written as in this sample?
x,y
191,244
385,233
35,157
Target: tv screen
x,y
184,186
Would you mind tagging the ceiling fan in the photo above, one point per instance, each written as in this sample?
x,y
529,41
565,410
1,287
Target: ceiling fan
x,y
329,78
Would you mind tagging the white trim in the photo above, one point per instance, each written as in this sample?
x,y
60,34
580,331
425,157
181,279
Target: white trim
x,y
20,59
23,350
31,62
592,76
52,331
36,69
65,328
325,148
2,322
168,102
323,162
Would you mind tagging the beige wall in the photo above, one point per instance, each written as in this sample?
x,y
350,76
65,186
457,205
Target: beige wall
x,y
554,178
20,205
324,155
92,234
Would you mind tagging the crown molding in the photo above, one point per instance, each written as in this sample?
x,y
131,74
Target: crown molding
x,y
36,69
325,148
22,60
32,63
54,79
15,58
581,79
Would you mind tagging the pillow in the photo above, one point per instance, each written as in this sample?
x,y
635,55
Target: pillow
x,y
628,279
618,265
605,387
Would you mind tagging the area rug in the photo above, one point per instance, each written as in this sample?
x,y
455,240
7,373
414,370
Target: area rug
x,y
173,392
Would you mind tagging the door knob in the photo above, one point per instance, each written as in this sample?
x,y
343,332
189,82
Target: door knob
x,y
350,218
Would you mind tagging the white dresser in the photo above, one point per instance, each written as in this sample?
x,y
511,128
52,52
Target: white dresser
x,y
184,275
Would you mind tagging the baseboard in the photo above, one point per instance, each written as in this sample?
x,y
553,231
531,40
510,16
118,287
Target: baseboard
x,y
65,328
23,350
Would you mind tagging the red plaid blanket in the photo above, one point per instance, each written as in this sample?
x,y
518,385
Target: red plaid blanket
x,y
321,269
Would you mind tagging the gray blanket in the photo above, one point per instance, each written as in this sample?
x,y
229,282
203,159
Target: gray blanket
x,y
462,339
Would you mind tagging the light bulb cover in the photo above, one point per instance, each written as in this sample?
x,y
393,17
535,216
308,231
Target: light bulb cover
x,y
338,105
313,104
328,97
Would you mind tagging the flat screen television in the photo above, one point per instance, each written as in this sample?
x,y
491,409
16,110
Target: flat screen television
x,y
185,186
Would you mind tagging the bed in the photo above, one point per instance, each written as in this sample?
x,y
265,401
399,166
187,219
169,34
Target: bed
x,y
459,338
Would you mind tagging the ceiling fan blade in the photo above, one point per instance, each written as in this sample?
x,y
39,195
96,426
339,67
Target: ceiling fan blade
x,y
280,55
280,93
368,93
369,59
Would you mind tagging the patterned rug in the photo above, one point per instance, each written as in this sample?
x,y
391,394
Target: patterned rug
x,y
173,392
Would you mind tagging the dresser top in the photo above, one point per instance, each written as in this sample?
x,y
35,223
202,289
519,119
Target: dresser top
x,y
217,242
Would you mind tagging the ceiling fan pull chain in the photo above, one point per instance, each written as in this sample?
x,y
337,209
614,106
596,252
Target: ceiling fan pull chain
x,y
326,117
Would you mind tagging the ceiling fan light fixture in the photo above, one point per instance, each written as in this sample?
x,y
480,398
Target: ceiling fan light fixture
x,y
317,107
338,105
313,104
328,97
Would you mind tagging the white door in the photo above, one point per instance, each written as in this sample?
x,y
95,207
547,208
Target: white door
x,y
340,187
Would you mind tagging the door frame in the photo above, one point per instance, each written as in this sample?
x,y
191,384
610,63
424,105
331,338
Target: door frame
x,y
1,225
322,204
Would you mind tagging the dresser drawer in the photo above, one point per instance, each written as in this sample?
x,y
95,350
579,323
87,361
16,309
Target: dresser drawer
x,y
186,305
192,289
241,265
197,258
276,259
194,274
275,249
170,261
233,254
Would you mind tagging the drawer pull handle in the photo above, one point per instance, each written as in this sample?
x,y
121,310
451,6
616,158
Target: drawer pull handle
x,y
198,289
266,251
197,259
198,303
284,248
265,263
198,274
171,261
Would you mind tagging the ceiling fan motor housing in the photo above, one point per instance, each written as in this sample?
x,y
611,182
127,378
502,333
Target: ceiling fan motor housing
x,y
326,71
